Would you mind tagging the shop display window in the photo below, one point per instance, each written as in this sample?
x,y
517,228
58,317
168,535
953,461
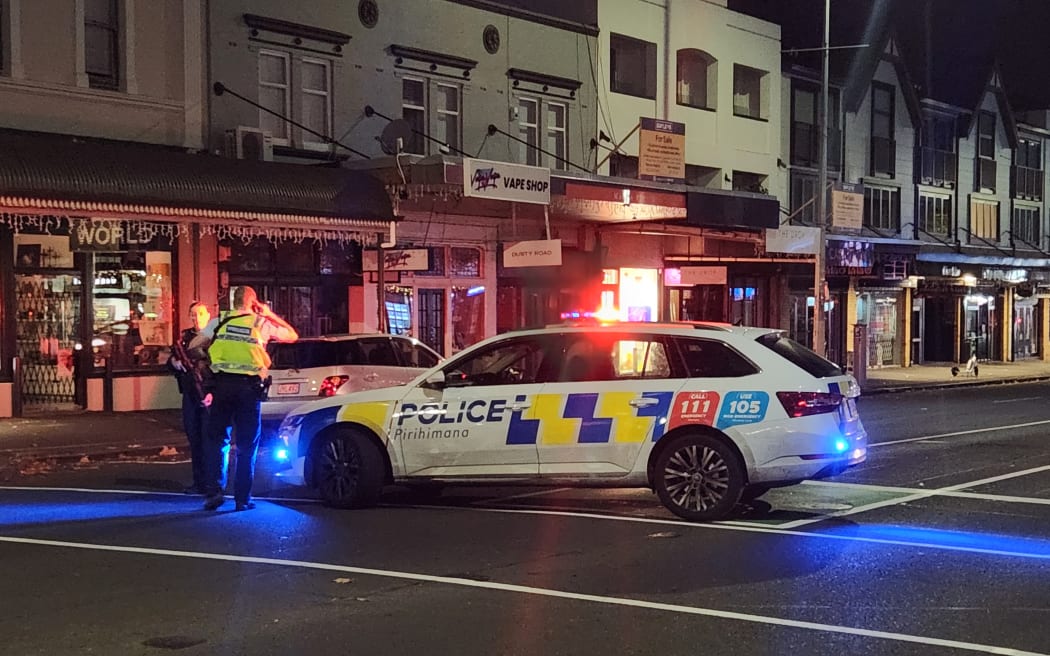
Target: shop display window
x,y
468,316
132,309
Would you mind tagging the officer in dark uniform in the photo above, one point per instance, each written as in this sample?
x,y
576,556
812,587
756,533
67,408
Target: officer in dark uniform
x,y
236,343
190,368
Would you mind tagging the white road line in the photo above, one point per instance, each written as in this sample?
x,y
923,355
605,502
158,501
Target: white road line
x,y
925,494
940,492
740,526
1026,398
542,592
990,429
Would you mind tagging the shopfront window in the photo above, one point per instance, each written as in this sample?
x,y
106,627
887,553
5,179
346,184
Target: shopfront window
x,y
133,323
639,294
879,311
468,316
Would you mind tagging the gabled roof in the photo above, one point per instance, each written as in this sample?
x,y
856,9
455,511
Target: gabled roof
x,y
1006,112
865,65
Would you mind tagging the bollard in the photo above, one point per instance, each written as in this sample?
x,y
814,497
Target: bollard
x,y
16,386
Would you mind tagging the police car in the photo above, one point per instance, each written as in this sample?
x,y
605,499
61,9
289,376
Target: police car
x,y
706,415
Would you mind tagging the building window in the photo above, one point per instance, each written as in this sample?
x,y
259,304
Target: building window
x,y
632,66
935,215
535,117
985,173
273,94
805,127
882,209
883,146
984,221
316,101
433,108
102,44
747,91
1025,226
697,79
803,193
1028,169
938,158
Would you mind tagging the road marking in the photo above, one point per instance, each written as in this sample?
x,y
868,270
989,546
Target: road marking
x,y
542,592
1026,398
940,492
741,526
958,433
925,494
181,495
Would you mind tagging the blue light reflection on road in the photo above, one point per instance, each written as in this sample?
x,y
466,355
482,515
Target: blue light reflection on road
x,y
1007,545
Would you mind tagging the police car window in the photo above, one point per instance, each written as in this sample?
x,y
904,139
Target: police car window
x,y
600,358
378,352
414,355
348,352
706,358
506,363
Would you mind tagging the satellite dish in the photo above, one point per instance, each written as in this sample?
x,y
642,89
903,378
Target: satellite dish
x,y
394,136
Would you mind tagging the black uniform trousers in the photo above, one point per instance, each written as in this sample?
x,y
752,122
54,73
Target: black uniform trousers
x,y
195,423
235,405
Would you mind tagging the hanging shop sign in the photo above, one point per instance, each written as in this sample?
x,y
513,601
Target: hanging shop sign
x,y
850,258
412,259
661,150
542,252
116,235
847,206
502,181
689,276
793,239
1004,275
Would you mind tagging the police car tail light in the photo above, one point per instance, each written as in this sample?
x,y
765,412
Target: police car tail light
x,y
331,385
804,404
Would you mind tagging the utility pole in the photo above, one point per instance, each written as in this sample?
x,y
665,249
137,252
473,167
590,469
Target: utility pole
x,y
820,265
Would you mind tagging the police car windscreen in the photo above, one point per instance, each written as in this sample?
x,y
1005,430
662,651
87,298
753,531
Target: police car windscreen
x,y
804,358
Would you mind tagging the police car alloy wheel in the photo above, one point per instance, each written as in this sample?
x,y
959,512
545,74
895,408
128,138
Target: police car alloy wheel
x,y
698,477
349,470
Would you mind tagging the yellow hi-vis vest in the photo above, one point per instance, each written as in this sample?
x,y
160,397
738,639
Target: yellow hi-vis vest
x,y
237,347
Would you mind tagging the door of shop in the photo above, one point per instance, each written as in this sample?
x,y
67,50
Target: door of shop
x,y
938,337
979,327
432,318
917,330
1025,329
47,319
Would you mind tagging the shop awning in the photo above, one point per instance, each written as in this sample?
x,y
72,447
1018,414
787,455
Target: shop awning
x,y
53,172
991,260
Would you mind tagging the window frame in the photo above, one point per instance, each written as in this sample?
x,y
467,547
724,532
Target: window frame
x,y
928,205
543,131
894,203
974,234
431,113
103,80
983,138
307,140
532,155
1033,220
286,60
759,104
647,86
709,64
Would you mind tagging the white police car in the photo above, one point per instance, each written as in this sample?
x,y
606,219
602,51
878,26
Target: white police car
x,y
704,414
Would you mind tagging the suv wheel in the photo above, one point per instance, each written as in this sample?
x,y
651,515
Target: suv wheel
x,y
349,470
698,477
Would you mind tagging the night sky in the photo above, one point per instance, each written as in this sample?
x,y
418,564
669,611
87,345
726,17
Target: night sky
x,y
949,44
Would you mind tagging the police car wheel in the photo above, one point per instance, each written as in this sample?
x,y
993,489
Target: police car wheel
x,y
349,470
698,477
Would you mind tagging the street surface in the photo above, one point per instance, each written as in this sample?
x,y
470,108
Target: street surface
x,y
939,545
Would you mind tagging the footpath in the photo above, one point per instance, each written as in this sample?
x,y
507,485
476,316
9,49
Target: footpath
x,y
70,436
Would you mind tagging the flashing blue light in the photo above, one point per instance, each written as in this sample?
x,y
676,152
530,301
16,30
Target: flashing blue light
x,y
474,291
282,454
841,446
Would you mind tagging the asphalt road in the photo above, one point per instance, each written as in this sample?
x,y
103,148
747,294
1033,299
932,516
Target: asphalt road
x,y
940,544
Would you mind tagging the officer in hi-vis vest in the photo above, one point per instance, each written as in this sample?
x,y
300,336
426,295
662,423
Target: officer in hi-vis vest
x,y
237,349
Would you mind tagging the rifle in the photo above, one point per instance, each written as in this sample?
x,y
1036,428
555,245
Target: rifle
x,y
192,367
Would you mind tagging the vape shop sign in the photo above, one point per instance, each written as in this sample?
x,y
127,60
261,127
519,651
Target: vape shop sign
x,y
503,181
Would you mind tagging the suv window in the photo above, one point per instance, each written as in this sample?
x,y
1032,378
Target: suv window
x,y
705,358
797,354
378,352
308,354
612,357
414,355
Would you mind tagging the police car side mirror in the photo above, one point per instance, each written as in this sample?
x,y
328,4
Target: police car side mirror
x,y
435,380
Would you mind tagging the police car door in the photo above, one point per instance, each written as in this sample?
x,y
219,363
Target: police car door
x,y
478,422
611,396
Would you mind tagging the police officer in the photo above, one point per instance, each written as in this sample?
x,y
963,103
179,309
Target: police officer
x,y
190,369
237,348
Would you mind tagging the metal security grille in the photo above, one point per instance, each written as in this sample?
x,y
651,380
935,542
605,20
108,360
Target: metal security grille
x,y
48,313
432,318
